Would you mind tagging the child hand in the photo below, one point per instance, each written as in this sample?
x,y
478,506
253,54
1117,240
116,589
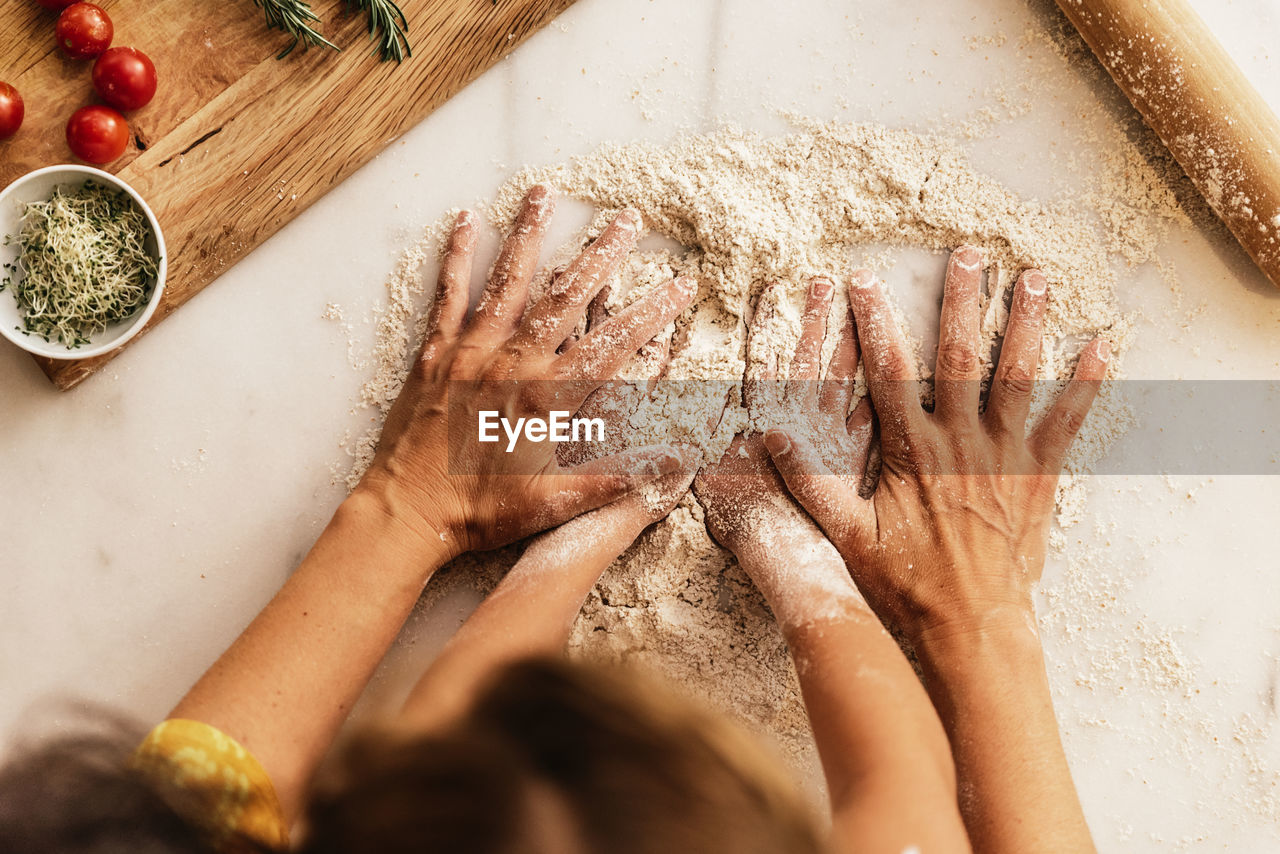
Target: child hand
x,y
443,483
954,534
748,509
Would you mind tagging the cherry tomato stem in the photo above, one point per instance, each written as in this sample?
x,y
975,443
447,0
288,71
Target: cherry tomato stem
x,y
84,31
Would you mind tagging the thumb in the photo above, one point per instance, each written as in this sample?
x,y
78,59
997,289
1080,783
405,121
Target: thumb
x,y
831,500
596,483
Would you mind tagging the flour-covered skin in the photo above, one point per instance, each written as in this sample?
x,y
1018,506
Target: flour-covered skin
x,y
949,543
884,755
508,358
531,611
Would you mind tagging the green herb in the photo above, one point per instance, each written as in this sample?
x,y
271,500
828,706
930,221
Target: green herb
x,y
388,25
294,17
82,263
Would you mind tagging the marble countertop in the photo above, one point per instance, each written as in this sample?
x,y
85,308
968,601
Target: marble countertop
x,y
149,513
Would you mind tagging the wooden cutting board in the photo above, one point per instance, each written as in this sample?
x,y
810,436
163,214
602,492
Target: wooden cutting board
x,y
231,125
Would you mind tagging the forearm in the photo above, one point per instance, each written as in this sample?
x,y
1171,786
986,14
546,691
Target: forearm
x,y
529,613
991,690
883,750
884,753
285,686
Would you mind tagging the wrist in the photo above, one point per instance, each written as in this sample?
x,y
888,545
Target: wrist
x,y
408,542
434,520
803,578
1006,636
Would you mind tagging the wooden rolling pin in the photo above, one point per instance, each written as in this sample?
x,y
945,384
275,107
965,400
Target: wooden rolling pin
x,y
1193,95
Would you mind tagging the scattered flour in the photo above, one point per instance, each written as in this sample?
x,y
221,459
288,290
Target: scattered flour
x,y
749,210
823,200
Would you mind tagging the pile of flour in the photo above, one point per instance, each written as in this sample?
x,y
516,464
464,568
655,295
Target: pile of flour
x,y
746,210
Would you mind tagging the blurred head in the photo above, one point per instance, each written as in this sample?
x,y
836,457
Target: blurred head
x,y
552,757
565,758
76,795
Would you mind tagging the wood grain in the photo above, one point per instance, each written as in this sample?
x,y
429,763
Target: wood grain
x,y
232,128
1191,93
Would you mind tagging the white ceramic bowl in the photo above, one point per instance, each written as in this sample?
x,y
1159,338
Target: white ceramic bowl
x,y
36,186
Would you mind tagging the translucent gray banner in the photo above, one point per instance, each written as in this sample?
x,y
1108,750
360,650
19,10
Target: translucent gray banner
x,y
1140,427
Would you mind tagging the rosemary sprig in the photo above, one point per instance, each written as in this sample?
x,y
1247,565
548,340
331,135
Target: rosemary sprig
x,y
388,25
294,17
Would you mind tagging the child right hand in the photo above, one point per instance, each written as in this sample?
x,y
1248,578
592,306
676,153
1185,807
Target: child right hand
x,y
748,509
475,495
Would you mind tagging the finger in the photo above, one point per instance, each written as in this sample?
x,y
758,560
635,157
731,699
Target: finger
x,y
861,427
806,365
552,318
890,372
654,358
826,496
597,314
762,360
605,349
837,389
592,484
669,489
1010,398
1052,437
956,388
452,288
502,303
616,400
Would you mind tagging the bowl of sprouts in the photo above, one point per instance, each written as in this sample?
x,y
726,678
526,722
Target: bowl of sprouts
x,y
82,262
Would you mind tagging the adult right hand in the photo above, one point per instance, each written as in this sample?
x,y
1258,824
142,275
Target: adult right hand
x,y
954,535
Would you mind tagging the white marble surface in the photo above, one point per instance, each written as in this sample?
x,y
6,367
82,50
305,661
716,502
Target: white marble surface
x,y
148,514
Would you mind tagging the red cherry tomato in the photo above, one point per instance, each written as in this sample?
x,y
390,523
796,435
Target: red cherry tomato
x,y
84,31
55,5
11,110
125,78
97,134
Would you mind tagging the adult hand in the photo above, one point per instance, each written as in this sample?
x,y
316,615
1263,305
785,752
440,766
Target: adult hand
x,y
954,535
614,403
506,358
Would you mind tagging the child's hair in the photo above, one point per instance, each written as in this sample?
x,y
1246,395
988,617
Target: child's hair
x,y
76,794
552,757
599,760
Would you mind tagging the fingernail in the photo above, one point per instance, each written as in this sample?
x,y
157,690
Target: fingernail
x,y
464,218
687,285
539,192
668,462
1034,282
968,257
1103,350
628,218
777,442
821,287
862,279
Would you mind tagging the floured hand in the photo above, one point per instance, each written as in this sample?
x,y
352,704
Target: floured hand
x,y
954,534
431,473
748,508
